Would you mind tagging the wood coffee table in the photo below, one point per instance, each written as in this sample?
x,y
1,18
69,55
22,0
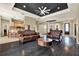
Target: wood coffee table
x,y
42,42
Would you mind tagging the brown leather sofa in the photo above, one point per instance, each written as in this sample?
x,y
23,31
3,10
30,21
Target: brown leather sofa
x,y
55,34
28,35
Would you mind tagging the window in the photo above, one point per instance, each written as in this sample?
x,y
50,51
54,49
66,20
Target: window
x,y
66,28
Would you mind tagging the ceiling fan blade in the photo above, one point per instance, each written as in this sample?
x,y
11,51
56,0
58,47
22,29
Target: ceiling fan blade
x,y
43,13
47,10
39,8
40,14
36,10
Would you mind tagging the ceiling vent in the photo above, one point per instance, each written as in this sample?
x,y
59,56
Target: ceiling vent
x,y
51,21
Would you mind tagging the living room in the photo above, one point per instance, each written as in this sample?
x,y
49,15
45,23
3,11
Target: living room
x,y
23,24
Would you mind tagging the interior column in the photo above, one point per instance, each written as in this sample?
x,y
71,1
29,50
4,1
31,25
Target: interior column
x,y
78,32
0,26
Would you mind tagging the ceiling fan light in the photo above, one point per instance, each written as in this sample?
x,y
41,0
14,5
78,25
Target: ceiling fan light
x,y
42,10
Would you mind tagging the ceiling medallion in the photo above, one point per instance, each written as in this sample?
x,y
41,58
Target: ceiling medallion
x,y
42,11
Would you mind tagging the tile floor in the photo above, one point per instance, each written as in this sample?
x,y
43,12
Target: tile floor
x,y
7,40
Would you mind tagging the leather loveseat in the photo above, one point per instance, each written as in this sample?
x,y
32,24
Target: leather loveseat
x,y
55,34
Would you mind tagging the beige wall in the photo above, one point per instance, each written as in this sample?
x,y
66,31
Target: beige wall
x,y
53,25
42,28
45,27
30,21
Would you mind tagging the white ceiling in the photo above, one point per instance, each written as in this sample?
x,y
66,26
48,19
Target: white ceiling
x,y
7,11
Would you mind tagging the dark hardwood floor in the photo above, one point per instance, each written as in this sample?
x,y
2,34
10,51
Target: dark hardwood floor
x,y
69,48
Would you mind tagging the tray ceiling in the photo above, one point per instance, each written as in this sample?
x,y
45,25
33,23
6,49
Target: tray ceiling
x,y
41,9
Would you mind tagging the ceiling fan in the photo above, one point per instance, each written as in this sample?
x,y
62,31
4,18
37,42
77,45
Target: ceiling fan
x,y
42,10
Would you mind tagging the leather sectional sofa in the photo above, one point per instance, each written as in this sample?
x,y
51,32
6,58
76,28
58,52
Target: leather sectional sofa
x,y
27,35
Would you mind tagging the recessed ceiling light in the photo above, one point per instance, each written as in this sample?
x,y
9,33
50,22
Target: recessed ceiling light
x,y
42,7
58,7
24,6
